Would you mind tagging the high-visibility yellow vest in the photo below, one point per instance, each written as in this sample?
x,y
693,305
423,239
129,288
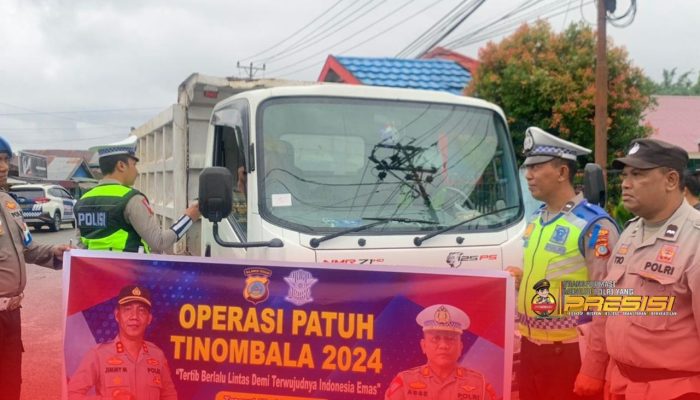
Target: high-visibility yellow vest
x,y
554,251
99,215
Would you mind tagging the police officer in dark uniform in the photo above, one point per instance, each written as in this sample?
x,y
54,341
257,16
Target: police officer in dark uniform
x,y
16,248
114,216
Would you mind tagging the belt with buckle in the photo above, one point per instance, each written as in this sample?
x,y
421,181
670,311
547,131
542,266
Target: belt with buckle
x,y
11,303
638,374
541,342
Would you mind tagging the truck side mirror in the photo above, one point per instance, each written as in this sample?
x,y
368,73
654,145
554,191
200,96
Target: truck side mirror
x,y
594,184
215,193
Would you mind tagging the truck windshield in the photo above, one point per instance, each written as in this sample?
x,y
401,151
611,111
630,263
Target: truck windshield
x,y
327,163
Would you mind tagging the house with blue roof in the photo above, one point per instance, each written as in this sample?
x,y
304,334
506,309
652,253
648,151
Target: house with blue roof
x,y
432,74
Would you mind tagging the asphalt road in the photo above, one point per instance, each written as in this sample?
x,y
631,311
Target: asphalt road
x,y
42,325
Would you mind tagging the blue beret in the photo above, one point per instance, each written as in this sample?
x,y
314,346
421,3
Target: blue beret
x,y
5,147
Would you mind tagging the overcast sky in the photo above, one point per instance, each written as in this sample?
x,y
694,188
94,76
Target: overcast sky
x,y
79,73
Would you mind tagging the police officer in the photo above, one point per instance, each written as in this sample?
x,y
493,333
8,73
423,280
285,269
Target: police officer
x,y
567,239
441,378
692,188
16,248
653,357
128,367
114,216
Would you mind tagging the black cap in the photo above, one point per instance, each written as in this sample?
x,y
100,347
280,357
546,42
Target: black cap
x,y
134,293
652,153
541,284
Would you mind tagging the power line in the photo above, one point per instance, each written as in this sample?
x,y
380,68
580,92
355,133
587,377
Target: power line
x,y
430,32
295,33
315,31
492,30
493,24
630,14
370,38
342,26
455,26
354,34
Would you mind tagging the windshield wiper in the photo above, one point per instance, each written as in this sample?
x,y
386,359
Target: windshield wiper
x,y
419,240
314,242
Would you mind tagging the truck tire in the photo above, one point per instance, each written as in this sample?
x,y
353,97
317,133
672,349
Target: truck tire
x,y
56,224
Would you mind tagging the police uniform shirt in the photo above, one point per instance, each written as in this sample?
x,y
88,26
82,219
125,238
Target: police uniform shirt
x,y
13,250
140,215
109,368
665,264
422,383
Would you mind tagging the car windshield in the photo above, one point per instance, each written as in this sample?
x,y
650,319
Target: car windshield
x,y
330,163
30,194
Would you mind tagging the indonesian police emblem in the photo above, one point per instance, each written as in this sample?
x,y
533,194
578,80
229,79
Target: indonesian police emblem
x,y
256,284
300,283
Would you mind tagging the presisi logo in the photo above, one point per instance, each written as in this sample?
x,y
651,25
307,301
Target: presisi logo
x,y
455,258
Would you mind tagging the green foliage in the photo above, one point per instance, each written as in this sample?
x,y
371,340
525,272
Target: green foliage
x,y
681,86
541,78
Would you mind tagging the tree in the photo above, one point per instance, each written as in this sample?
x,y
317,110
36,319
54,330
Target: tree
x,y
546,79
683,86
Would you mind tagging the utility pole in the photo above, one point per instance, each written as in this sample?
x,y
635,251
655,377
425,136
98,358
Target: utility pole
x,y
250,70
601,92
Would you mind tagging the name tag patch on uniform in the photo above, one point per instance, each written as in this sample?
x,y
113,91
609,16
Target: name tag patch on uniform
x,y
153,362
554,248
11,205
96,219
666,253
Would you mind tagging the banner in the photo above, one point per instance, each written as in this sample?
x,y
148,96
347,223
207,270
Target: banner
x,y
244,330
32,166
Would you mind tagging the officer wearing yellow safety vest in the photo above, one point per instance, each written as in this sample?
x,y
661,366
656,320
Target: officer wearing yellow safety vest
x,y
567,239
114,216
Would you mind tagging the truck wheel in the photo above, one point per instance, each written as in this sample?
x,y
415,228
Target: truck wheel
x,y
56,224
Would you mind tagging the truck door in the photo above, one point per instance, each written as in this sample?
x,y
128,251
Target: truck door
x,y
231,151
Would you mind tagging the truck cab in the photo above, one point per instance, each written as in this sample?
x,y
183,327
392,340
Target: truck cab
x,y
345,174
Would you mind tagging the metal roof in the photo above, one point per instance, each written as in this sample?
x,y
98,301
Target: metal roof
x,y
63,168
441,75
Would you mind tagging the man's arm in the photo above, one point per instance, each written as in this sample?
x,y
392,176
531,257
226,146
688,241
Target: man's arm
x,y
46,255
140,215
599,242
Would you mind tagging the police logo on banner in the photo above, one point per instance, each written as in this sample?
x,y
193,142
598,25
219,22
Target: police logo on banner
x,y
256,284
300,283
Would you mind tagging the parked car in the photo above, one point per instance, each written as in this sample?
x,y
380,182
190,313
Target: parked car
x,y
49,205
